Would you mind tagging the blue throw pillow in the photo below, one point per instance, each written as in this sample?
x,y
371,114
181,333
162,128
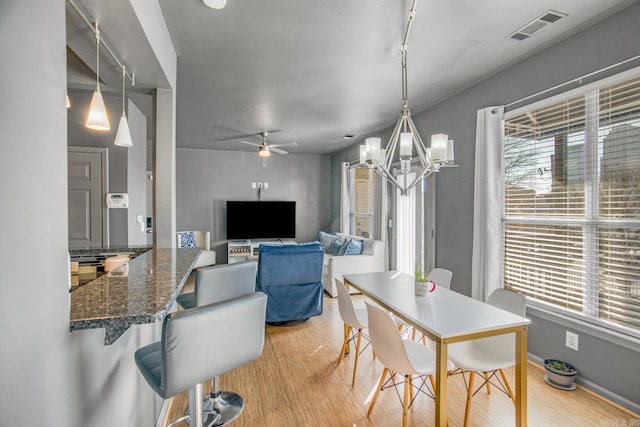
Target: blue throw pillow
x,y
338,247
354,247
187,240
326,240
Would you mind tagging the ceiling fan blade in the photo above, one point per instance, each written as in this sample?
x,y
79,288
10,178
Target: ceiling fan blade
x,y
252,143
277,150
234,134
290,144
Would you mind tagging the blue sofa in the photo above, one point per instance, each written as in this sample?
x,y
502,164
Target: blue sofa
x,y
291,277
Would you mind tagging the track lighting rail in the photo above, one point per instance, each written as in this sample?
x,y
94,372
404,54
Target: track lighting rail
x,y
94,27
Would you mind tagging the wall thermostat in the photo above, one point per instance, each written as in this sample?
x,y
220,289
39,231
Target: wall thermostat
x,y
117,200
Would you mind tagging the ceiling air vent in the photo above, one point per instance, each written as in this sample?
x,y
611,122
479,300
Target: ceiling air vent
x,y
537,25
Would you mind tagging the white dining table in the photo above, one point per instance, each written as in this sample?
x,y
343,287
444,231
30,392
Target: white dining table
x,y
448,317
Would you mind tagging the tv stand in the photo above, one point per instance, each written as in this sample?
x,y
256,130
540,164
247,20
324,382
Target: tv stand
x,y
241,250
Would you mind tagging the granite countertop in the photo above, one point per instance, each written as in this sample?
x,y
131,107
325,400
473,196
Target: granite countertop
x,y
141,291
108,251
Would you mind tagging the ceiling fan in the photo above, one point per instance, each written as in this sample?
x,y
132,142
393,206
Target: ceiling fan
x,y
265,149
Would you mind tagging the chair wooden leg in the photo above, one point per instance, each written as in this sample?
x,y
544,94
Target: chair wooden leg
x,y
375,396
355,363
507,386
348,330
345,343
486,382
433,382
405,401
410,387
467,409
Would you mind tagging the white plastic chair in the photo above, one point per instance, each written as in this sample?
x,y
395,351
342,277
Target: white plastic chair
x,y
441,276
490,355
404,357
353,319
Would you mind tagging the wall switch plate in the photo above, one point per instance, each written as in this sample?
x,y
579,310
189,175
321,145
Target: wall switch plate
x,y
572,340
266,185
253,185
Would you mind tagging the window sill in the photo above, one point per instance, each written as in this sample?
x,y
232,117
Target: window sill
x,y
573,321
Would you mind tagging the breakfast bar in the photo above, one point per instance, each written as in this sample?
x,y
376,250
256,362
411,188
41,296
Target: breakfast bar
x,y
141,291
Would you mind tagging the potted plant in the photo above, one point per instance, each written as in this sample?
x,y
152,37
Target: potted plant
x,y
422,283
560,373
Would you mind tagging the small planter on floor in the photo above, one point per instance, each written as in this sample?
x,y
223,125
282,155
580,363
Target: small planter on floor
x,y
560,374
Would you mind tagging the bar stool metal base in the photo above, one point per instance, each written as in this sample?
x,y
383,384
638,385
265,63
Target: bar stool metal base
x,y
201,417
221,408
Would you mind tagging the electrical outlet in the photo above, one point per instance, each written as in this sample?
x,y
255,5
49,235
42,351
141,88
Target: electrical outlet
x,y
572,340
253,185
266,185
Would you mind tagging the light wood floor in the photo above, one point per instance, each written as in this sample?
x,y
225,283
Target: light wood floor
x,y
297,382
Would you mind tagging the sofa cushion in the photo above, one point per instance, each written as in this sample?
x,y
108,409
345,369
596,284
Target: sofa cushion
x,y
354,247
326,240
338,246
187,240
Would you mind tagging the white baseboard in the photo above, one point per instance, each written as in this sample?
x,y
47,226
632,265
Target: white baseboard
x,y
632,407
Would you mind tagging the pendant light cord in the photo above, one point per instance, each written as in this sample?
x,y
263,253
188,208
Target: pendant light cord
x,y
93,25
124,73
97,58
405,95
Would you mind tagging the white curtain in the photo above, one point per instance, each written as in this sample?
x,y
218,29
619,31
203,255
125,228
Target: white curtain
x,y
487,203
380,226
406,230
345,198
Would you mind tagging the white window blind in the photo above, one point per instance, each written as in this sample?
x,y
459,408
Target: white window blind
x,y
571,217
363,185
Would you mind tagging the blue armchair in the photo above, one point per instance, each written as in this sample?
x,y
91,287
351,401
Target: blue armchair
x,y
291,277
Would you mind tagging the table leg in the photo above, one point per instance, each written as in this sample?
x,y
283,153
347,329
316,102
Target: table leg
x,y
441,383
521,377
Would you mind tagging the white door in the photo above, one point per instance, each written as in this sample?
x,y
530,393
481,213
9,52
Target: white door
x,y
87,168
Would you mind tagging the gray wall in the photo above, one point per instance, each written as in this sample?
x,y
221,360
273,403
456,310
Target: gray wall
x,y
34,308
206,179
137,176
123,176
48,375
80,136
608,42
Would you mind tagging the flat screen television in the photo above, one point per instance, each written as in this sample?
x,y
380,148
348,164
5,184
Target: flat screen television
x,y
261,220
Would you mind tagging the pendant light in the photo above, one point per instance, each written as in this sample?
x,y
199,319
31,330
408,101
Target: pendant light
x,y
405,138
123,135
215,4
98,117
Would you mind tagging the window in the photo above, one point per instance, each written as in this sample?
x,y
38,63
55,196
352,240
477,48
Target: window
x,y
571,215
363,185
